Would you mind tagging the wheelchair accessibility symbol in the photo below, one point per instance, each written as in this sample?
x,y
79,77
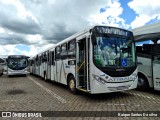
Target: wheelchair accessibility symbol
x,y
124,62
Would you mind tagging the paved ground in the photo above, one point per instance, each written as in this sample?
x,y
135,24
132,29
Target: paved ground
x,y
34,94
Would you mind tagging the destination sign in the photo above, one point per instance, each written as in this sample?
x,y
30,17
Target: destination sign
x,y
17,56
112,30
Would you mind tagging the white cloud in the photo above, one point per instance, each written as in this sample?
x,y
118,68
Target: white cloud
x,y
146,11
2,30
9,50
110,16
34,38
36,49
21,11
32,52
40,23
54,20
13,50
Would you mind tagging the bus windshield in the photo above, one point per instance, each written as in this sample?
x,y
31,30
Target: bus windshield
x,y
114,52
17,63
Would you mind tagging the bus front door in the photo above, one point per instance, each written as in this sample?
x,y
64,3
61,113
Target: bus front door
x,y
156,75
81,64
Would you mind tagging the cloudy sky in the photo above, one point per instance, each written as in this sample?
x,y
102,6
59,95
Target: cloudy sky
x,y
30,26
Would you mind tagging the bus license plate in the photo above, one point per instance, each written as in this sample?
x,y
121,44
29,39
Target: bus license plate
x,y
121,88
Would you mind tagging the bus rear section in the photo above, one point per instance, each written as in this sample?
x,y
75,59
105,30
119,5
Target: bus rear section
x,y
17,65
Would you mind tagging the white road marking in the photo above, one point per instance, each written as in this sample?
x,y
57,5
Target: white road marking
x,y
59,98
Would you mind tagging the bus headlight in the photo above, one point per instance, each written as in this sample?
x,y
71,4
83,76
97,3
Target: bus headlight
x,y
99,79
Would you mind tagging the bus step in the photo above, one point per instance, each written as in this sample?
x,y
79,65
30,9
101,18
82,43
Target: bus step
x,y
84,90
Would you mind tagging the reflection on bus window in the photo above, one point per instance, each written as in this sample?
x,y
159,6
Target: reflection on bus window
x,y
110,51
17,63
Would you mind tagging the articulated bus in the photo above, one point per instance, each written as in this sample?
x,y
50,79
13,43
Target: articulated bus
x,y
98,60
17,65
148,54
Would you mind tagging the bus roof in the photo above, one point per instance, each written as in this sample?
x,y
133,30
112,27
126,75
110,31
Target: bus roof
x,y
147,32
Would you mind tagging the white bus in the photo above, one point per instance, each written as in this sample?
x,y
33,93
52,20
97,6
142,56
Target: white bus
x,y
148,52
98,60
17,65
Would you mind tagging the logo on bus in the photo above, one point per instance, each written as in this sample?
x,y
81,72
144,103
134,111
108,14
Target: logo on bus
x,y
124,62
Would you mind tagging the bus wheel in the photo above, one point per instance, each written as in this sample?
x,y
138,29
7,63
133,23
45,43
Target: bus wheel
x,y
142,83
72,85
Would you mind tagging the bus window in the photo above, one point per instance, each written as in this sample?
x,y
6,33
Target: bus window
x,y
58,53
44,57
53,63
64,51
71,49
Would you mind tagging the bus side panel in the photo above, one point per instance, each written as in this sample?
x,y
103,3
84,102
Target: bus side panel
x,y
48,71
145,67
58,66
34,68
53,72
63,71
44,69
30,68
156,68
41,67
37,69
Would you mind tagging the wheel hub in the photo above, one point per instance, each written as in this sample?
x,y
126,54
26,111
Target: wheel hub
x,y
71,84
141,81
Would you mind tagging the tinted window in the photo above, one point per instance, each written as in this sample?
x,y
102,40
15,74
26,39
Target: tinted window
x,y
71,49
58,53
64,51
44,57
53,63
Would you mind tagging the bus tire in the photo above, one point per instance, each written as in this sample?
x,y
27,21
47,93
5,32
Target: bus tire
x,y
142,82
72,85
